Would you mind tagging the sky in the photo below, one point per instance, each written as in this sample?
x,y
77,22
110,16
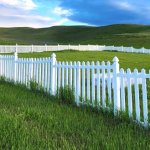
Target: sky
x,y
46,13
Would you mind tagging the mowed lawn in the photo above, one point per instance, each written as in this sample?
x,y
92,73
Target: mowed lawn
x,y
35,121
127,60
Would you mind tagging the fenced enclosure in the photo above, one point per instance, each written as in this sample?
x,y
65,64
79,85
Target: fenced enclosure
x,y
42,48
101,85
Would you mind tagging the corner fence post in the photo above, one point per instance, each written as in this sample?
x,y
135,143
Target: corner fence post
x,y
15,66
116,85
53,74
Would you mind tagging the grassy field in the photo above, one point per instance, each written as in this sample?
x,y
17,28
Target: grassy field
x,y
36,121
30,120
127,60
126,35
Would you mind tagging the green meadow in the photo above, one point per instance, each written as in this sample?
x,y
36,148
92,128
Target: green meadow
x,y
34,120
126,60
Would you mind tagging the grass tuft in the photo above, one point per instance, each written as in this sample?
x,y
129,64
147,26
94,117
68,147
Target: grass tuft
x,y
66,95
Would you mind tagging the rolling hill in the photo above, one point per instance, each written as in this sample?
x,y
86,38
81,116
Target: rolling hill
x,y
119,34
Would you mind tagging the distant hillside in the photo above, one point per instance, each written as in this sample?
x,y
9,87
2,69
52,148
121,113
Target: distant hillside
x,y
127,35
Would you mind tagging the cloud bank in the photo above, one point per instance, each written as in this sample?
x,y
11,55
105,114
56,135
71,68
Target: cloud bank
x,y
104,12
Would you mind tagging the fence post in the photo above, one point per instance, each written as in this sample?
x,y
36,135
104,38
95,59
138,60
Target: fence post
x,y
53,73
132,49
113,47
46,47
15,66
88,47
116,85
16,50
32,48
143,50
105,47
79,47
69,47
122,48
97,47
58,47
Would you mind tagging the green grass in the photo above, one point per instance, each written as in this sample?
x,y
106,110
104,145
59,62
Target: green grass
x,y
126,60
30,120
126,35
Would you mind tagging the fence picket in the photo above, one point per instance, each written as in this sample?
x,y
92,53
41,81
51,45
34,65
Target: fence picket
x,y
49,77
40,71
70,76
83,82
23,71
122,90
37,72
63,74
144,95
74,80
109,82
88,81
56,69
129,93
43,72
46,70
136,86
103,85
93,84
78,83
67,73
59,75
98,83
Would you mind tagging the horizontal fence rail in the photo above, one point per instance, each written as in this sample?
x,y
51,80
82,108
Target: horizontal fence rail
x,y
42,48
99,84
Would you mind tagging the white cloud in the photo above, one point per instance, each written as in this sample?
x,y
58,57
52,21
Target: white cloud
x,y
15,13
20,4
22,13
64,12
12,18
124,5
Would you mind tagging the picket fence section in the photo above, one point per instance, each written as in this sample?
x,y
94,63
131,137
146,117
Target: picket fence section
x,y
101,85
42,48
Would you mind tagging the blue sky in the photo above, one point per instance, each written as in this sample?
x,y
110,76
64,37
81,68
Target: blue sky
x,y
46,13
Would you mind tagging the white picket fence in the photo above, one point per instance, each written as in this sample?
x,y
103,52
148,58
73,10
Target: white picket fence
x,y
100,84
42,48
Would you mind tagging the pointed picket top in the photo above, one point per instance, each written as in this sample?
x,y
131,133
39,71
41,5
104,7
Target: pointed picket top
x,y
143,71
128,71
97,63
103,63
135,71
53,55
122,71
88,63
115,59
83,63
108,63
93,63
